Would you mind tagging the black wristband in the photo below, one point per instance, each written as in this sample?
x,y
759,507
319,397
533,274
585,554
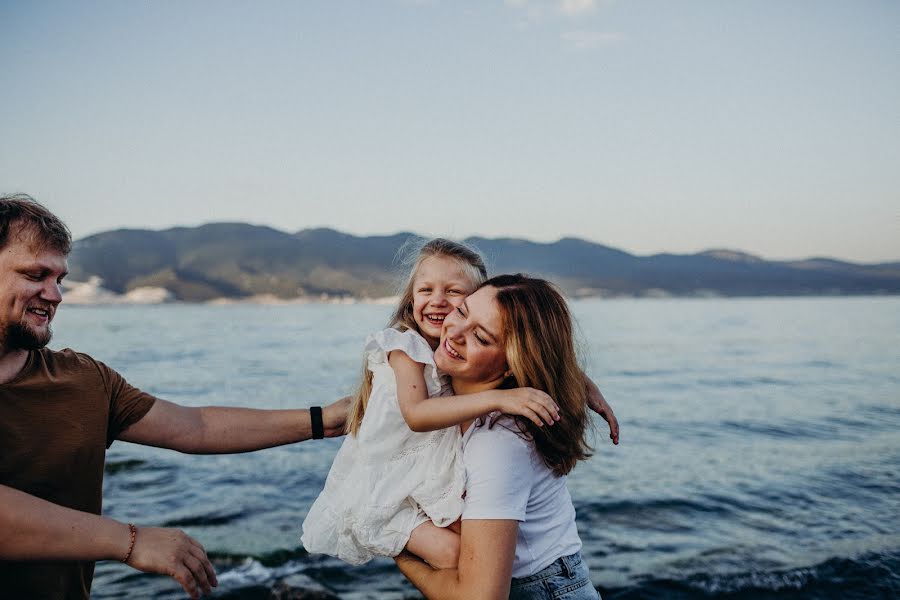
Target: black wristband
x,y
318,427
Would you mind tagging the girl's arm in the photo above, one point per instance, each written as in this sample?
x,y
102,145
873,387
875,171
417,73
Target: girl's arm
x,y
422,413
597,403
487,548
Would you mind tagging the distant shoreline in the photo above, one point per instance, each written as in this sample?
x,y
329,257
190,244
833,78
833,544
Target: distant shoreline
x,y
91,293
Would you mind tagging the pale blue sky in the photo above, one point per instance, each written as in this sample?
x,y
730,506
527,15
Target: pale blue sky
x,y
769,127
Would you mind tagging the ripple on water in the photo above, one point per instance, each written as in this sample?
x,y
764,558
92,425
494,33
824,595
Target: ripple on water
x,y
871,576
789,429
118,466
209,519
745,382
671,515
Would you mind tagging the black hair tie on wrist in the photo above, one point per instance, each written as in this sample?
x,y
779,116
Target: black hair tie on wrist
x,y
318,427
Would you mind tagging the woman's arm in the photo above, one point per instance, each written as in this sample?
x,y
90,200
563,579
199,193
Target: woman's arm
x,y
422,413
485,564
598,404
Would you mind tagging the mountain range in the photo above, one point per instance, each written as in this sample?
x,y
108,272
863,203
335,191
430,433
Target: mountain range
x,y
238,260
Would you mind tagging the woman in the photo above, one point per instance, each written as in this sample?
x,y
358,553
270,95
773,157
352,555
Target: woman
x,y
518,534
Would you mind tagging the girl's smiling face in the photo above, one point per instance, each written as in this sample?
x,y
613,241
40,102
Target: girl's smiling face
x,y
472,348
440,285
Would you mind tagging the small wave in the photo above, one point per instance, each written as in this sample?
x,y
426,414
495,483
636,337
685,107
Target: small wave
x,y
671,515
251,572
819,364
881,410
154,479
788,429
659,505
252,579
204,520
869,576
117,466
745,382
646,372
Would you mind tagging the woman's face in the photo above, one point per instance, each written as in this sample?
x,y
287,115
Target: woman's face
x,y
472,348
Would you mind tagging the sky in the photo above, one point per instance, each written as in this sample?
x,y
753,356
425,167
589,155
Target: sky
x,y
769,127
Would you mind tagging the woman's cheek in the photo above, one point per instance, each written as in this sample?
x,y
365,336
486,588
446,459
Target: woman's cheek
x,y
442,362
488,363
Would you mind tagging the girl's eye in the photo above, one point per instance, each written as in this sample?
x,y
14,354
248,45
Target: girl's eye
x,y
33,276
424,289
455,292
460,311
480,341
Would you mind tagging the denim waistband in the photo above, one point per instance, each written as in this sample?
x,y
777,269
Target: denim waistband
x,y
564,564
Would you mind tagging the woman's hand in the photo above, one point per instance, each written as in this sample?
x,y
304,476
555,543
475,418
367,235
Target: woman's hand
x,y
530,403
599,405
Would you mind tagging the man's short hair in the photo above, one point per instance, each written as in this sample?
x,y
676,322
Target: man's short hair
x,y
35,221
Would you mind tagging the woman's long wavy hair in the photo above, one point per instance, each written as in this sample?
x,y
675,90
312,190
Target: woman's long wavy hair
x,y
403,318
540,353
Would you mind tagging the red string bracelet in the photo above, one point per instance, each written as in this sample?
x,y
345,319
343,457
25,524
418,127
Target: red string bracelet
x,y
133,530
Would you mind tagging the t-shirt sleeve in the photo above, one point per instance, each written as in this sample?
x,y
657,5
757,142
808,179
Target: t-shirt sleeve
x,y
127,404
498,475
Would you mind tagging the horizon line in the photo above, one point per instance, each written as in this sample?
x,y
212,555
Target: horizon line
x,y
501,237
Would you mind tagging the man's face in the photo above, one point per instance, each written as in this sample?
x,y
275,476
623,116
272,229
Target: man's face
x,y
29,292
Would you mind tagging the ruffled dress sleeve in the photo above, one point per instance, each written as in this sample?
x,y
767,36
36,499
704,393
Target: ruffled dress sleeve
x,y
380,344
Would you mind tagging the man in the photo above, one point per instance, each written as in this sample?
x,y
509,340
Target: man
x,y
60,411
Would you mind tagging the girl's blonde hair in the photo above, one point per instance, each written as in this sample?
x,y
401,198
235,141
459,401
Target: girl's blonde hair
x,y
540,353
403,318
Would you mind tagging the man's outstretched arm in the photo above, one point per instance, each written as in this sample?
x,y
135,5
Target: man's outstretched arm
x,y
222,430
34,529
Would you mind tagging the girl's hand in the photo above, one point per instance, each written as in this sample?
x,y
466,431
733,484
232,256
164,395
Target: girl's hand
x,y
530,403
599,405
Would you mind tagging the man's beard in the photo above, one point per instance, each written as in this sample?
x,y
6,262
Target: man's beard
x,y
19,336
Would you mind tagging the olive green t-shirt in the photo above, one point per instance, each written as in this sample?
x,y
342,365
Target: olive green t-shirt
x,y
57,418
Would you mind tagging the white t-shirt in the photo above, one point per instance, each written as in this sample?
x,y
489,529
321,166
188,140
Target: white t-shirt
x,y
506,479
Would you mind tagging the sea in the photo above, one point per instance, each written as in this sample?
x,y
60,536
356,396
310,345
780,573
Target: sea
x,y
759,454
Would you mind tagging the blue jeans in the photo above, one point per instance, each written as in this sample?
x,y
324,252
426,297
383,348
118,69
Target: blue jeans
x,y
566,579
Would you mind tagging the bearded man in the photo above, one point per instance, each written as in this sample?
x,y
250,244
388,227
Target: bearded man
x,y
60,411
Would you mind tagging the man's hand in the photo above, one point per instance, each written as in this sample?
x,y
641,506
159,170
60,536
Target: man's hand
x,y
334,417
174,553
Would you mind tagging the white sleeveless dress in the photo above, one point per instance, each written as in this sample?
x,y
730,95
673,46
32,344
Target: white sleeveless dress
x,y
388,479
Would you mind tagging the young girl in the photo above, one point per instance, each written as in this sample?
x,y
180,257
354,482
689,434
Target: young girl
x,y
398,480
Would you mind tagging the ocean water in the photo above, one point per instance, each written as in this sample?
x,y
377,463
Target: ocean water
x,y
759,458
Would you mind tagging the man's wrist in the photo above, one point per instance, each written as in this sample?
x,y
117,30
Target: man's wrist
x,y
132,530
316,422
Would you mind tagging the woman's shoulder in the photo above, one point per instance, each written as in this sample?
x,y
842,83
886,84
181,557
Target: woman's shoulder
x,y
500,471
497,436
